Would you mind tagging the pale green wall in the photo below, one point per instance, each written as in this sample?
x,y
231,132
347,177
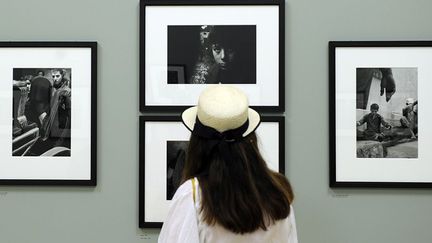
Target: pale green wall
x,y
108,213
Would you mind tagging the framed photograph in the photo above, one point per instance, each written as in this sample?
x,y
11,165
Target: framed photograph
x,y
163,144
49,91
187,45
377,137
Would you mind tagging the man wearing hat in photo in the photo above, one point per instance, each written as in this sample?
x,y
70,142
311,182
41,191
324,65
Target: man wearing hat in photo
x,y
409,117
228,194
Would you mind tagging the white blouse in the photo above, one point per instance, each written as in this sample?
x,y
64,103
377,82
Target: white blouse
x,y
183,225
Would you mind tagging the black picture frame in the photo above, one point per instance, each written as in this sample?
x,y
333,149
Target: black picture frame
x,y
47,52
143,223
346,59
277,86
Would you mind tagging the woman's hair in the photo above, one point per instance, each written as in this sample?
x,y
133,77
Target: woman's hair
x,y
242,194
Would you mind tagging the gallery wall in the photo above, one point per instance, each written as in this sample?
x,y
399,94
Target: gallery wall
x,y
108,213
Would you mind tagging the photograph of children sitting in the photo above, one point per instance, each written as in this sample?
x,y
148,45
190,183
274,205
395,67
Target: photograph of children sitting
x,y
387,113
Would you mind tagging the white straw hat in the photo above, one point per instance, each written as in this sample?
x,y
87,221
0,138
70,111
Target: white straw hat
x,y
223,108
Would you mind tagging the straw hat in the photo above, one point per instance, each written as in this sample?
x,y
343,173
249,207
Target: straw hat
x,y
223,108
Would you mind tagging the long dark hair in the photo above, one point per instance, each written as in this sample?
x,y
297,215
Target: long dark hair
x,y
242,194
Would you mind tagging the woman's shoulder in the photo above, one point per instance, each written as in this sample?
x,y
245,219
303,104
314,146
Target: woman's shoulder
x,y
185,189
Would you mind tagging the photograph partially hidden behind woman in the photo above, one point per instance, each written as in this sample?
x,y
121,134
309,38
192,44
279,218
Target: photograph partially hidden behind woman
x,y
228,194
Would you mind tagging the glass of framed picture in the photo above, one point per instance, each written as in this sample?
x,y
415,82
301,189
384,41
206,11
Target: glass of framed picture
x,y
163,144
48,90
187,45
377,137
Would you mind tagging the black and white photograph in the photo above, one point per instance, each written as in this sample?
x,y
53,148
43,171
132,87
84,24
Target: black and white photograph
x,y
377,137
387,112
176,155
214,53
48,105
163,145
41,112
186,47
